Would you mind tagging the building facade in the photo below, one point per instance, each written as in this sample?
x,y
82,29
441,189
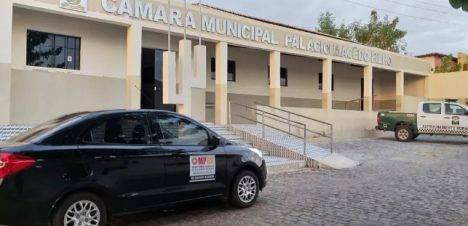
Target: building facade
x,y
63,56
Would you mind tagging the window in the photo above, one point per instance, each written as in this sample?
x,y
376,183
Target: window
x,y
126,129
283,76
231,70
43,128
173,130
454,109
51,50
321,82
432,108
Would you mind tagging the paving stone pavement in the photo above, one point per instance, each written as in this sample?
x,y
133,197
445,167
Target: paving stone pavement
x,y
419,183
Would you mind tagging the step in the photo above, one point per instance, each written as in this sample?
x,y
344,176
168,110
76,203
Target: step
x,y
9,131
222,131
226,134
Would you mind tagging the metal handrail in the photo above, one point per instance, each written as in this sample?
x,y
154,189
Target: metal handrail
x,y
292,113
310,131
284,131
283,120
262,113
307,118
352,101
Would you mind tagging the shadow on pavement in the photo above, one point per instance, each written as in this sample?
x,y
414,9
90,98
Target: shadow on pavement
x,y
171,214
449,140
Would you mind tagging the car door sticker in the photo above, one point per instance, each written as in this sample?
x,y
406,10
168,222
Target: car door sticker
x,y
202,168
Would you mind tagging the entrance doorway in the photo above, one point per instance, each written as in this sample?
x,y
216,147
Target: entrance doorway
x,y
151,80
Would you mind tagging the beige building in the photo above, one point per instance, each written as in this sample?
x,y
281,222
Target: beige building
x,y
62,56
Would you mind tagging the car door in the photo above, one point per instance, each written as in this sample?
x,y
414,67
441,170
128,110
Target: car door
x,y
121,158
195,164
430,118
456,119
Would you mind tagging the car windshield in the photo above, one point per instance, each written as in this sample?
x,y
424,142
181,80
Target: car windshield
x,y
43,128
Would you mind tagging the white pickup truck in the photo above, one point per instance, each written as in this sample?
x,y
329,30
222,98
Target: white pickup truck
x,y
433,118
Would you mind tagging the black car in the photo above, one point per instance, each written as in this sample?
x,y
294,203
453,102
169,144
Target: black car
x,y
83,168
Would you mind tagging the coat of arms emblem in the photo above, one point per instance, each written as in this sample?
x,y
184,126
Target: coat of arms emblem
x,y
78,5
455,120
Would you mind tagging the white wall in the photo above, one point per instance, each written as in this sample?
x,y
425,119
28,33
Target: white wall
x,y
346,124
39,94
103,46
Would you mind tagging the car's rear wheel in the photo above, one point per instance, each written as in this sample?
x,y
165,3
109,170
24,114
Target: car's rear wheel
x,y
245,189
80,209
404,133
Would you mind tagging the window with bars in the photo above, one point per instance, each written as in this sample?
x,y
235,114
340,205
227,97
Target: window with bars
x,y
52,50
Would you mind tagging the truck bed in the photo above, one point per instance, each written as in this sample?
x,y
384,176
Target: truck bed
x,y
388,120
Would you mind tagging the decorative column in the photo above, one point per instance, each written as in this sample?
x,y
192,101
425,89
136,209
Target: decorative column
x,y
368,92
199,83
400,90
221,100
275,79
134,40
327,97
184,76
6,26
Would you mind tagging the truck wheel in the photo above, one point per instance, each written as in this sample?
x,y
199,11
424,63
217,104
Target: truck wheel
x,y
404,133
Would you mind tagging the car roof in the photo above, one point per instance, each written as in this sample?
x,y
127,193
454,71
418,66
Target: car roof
x,y
117,111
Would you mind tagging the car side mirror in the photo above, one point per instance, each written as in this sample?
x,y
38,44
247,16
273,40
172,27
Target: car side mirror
x,y
214,142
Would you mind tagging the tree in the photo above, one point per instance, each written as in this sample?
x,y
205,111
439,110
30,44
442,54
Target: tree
x,y
447,65
457,4
381,33
327,24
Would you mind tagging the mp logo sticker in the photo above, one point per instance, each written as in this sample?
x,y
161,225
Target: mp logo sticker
x,y
202,168
77,5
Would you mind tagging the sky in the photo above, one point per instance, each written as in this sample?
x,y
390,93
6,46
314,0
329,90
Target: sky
x,y
432,25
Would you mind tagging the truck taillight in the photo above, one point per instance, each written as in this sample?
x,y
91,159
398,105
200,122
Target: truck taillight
x,y
379,120
12,163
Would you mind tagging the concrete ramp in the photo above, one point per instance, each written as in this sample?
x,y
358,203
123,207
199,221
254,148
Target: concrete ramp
x,y
336,161
280,144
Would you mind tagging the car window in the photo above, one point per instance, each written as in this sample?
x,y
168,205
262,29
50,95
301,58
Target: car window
x,y
44,128
454,109
123,129
175,130
432,108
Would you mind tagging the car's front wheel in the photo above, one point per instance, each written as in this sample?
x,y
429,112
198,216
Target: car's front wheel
x,y
81,209
245,189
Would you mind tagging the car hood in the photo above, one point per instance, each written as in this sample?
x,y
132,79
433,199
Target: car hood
x,y
237,143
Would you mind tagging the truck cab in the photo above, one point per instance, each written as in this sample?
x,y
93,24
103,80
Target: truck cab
x,y
445,118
